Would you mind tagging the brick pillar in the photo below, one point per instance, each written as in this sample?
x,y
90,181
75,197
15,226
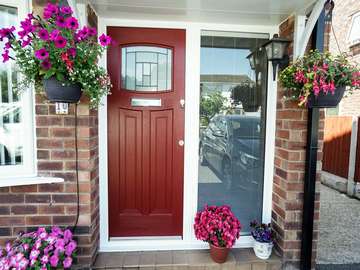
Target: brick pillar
x,y
289,168
24,208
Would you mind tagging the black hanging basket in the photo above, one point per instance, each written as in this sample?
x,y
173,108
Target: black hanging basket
x,y
250,107
328,100
64,92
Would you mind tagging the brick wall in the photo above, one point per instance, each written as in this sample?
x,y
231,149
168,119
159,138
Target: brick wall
x,y
341,22
291,132
24,208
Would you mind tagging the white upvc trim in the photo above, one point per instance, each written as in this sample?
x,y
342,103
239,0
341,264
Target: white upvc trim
x,y
28,168
23,181
304,38
192,97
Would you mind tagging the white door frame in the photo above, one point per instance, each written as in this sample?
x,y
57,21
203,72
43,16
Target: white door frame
x,y
192,97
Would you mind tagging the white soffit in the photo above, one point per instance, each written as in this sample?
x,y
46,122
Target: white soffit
x,y
254,12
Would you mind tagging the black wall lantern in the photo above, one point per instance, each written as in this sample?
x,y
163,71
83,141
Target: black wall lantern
x,y
276,51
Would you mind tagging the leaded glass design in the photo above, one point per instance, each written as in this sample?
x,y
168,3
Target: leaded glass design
x,y
146,68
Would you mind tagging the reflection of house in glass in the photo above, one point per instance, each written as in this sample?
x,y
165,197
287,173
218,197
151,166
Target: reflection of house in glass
x,y
222,83
239,90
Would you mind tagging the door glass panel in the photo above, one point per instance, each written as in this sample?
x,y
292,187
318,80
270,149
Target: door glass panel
x,y
146,68
232,125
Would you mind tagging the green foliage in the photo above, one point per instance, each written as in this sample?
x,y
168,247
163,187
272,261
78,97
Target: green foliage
x,y
210,105
319,72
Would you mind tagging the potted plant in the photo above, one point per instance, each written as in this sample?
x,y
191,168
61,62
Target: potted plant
x,y
41,249
218,226
264,237
54,53
319,80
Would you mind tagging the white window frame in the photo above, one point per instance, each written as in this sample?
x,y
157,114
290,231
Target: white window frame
x,y
192,97
27,169
350,40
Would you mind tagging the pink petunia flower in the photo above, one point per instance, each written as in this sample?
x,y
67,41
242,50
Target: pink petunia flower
x,y
41,54
104,40
54,260
45,259
92,31
72,23
60,42
5,56
50,10
54,34
67,233
72,53
70,248
67,262
66,10
43,34
46,65
60,21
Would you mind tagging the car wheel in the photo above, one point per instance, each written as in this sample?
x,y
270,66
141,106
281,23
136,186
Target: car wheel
x,y
202,158
227,173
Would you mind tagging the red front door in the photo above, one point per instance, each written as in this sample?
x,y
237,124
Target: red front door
x,y
145,131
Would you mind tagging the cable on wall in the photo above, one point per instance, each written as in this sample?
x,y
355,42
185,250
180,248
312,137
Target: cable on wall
x,y
77,171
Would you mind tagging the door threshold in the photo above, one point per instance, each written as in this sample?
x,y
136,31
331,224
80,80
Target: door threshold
x,y
137,238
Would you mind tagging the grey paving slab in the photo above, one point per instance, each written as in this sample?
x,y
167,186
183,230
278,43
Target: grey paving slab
x,y
339,229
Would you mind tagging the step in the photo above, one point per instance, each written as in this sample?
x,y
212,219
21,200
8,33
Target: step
x,y
239,259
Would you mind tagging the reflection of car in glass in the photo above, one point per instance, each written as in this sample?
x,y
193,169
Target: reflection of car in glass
x,y
10,134
230,146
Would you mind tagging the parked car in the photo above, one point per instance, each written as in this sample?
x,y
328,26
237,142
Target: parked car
x,y
230,146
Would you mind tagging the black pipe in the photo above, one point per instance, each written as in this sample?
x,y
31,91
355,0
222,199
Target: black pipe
x,y
311,162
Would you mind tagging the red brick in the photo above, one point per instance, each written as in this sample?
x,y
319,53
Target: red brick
x,y
50,165
11,198
38,220
23,209
62,132
62,154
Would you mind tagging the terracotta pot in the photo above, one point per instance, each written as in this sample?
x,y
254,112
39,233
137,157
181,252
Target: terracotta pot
x,y
219,254
57,91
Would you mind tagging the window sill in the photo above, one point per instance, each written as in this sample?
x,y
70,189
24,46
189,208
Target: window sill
x,y
22,181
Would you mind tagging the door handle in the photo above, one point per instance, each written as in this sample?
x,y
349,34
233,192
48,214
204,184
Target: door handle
x,y
182,103
181,142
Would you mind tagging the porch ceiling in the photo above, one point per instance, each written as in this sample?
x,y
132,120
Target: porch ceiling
x,y
255,12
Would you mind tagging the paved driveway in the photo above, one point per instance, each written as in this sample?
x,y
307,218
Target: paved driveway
x,y
339,242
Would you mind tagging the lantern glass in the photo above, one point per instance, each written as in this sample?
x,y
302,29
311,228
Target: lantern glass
x,y
275,50
251,58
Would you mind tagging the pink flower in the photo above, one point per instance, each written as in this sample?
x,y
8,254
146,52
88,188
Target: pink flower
x,y
5,56
45,259
70,248
54,34
72,53
41,54
6,32
83,33
43,34
50,10
67,235
60,21
92,31
66,10
34,254
55,231
23,263
46,64
60,42
54,260
72,23
104,40
67,262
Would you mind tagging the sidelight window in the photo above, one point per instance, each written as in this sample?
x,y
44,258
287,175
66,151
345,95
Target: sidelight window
x,y
232,124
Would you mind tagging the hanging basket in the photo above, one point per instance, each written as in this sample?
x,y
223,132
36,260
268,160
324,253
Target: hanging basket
x,y
328,100
251,107
63,92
